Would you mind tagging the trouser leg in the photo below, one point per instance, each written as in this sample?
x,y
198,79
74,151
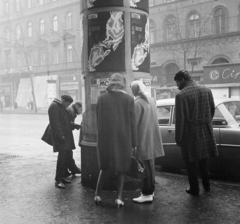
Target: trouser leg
x,y
148,180
71,165
61,165
192,170
203,168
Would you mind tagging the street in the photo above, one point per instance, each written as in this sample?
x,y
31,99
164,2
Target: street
x,y
28,195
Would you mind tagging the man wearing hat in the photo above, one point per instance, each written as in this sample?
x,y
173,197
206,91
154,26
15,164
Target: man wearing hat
x,y
59,135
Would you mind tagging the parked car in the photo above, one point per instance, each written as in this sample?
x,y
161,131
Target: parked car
x,y
226,123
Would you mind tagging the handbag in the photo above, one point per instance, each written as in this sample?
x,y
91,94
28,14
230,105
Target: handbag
x,y
137,169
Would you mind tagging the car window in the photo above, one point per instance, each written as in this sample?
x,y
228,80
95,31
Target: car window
x,y
164,115
174,115
223,116
234,109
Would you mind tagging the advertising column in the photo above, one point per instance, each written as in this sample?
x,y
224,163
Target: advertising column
x,y
116,39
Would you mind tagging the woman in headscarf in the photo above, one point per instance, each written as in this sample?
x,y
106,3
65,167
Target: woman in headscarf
x,y
149,138
116,134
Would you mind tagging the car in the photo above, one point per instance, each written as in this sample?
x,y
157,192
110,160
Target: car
x,y
226,127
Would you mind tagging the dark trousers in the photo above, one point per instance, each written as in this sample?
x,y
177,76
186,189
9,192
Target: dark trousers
x,y
71,165
149,180
192,169
63,163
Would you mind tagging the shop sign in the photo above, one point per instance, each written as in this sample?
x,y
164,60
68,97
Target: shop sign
x,y
69,86
226,73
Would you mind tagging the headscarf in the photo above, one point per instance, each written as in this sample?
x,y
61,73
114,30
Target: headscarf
x,y
139,90
117,82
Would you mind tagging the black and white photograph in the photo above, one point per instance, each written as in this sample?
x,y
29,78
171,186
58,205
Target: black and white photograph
x,y
120,111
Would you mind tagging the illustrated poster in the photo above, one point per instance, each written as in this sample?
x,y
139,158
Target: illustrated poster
x,y
140,4
103,3
106,45
140,46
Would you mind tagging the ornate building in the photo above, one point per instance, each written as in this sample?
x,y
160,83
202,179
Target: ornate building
x,y
202,36
39,51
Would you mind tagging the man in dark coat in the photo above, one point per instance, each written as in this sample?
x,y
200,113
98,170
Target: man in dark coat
x,y
59,135
194,132
74,109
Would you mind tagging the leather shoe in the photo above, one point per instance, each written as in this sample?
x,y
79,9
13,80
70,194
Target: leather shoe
x,y
76,171
190,191
59,184
66,181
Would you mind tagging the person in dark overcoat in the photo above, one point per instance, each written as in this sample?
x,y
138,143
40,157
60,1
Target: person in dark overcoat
x,y
194,132
117,134
59,135
149,138
74,109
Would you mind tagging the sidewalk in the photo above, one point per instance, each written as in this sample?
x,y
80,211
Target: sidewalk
x,y
23,111
28,196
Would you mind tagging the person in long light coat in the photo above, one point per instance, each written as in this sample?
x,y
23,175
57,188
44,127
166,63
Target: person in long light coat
x,y
149,138
194,132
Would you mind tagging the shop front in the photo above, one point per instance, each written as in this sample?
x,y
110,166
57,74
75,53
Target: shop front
x,y
6,94
223,80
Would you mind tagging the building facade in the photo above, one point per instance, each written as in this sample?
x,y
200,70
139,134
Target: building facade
x,y
39,51
201,36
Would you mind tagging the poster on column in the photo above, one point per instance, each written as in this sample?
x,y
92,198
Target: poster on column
x,y
140,48
103,3
106,45
139,4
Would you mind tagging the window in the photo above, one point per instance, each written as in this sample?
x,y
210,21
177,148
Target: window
x,y
42,57
55,23
30,31
239,17
220,61
29,4
19,60
150,2
30,57
6,7
55,55
17,5
219,22
7,34
18,32
170,29
69,53
42,26
194,24
69,20
152,32
8,59
40,2
164,115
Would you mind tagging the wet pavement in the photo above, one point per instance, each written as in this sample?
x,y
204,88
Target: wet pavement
x,y
28,195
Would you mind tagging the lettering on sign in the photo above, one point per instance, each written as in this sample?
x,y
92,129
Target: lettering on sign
x,y
228,73
69,86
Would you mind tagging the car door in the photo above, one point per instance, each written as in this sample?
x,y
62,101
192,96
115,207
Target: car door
x,y
172,158
230,141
